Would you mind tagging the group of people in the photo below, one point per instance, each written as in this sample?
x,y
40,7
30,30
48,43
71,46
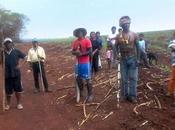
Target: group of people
x,y
124,43
124,46
35,58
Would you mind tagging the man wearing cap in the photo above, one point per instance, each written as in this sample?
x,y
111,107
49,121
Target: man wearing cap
x,y
12,72
36,58
127,46
82,49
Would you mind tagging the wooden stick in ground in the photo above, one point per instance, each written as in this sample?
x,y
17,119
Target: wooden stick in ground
x,y
109,91
61,97
158,102
148,86
107,81
3,72
84,108
142,104
40,69
87,104
90,115
108,115
102,102
144,123
60,89
118,85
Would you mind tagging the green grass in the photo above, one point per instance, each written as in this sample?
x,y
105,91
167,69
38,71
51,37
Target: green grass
x,y
66,41
158,39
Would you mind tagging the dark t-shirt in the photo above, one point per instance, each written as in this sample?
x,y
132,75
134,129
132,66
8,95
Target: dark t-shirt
x,y
100,42
95,45
11,62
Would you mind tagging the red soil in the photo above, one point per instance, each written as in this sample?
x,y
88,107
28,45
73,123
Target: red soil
x,y
46,112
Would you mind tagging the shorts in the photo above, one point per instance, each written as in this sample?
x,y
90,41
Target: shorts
x,y
13,84
83,70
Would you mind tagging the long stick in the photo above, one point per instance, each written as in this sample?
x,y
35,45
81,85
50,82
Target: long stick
x,y
118,84
3,73
41,73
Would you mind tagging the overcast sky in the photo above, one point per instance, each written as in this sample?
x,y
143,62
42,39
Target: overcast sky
x,y
58,18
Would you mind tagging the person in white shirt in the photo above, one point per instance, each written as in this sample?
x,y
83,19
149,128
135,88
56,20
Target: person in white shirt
x,y
142,47
36,59
111,41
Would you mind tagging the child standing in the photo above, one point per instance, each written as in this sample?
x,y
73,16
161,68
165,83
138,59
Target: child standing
x,y
109,56
171,85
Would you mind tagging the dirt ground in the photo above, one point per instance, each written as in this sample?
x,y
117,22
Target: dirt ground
x,y
59,110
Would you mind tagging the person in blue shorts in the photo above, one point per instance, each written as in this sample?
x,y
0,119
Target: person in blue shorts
x,y
82,49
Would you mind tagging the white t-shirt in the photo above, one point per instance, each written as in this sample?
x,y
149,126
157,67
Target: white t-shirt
x,y
110,38
142,45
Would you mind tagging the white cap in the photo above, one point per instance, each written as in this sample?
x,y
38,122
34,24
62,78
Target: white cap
x,y
7,40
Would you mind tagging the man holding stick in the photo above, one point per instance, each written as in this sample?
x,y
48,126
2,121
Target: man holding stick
x,y
127,46
12,73
36,58
82,49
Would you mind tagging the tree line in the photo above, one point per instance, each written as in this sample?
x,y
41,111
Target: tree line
x,y
12,24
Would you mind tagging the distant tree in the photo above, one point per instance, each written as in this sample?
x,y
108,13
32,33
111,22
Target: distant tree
x,y
12,24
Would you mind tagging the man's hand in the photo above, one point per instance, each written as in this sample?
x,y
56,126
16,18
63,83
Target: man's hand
x,y
76,53
41,58
93,53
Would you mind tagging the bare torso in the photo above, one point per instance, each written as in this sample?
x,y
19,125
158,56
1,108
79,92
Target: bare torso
x,y
126,43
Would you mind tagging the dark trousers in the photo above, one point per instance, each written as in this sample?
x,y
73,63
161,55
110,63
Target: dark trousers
x,y
88,84
36,72
94,63
143,57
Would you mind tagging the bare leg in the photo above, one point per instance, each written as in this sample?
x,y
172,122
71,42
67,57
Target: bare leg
x,y
18,98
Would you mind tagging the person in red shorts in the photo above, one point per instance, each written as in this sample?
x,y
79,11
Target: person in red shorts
x,y
82,49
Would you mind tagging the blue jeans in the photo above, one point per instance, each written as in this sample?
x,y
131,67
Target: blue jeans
x,y
129,77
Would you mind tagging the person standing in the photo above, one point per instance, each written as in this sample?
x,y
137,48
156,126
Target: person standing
x,y
142,47
100,42
109,56
127,46
36,58
82,50
111,39
12,73
95,52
